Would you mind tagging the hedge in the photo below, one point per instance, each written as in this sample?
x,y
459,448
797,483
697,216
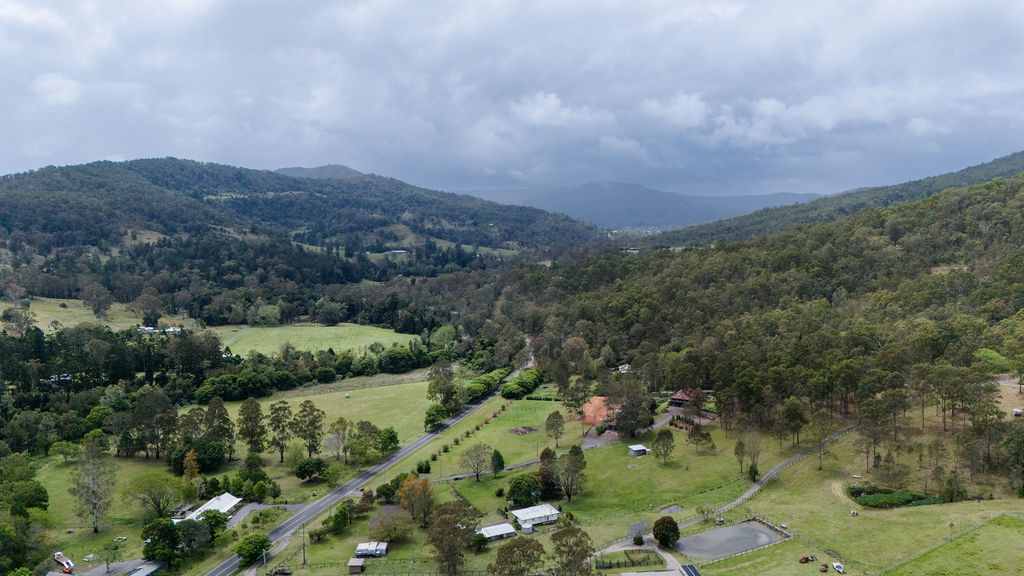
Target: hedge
x,y
526,382
482,385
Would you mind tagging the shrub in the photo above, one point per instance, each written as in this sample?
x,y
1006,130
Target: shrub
x,y
638,540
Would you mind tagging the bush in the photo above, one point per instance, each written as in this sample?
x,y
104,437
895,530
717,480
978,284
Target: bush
x,y
638,540
500,492
886,498
325,375
753,473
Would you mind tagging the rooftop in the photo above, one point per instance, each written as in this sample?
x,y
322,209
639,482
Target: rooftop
x,y
497,530
538,511
223,503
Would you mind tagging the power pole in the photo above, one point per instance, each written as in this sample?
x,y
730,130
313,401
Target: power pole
x,y
303,536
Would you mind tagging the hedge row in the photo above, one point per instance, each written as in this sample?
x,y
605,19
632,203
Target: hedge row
x,y
484,384
526,382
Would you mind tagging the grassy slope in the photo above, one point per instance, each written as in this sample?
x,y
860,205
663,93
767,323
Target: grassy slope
x,y
268,340
814,505
994,548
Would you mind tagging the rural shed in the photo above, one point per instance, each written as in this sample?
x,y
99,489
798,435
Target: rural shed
x,y
225,503
638,450
356,565
371,549
539,514
497,531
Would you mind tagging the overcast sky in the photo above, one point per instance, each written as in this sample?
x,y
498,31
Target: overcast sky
x,y
698,97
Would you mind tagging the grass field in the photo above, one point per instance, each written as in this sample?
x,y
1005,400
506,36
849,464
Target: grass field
x,y
74,312
241,339
518,433
68,533
311,337
816,508
993,548
385,400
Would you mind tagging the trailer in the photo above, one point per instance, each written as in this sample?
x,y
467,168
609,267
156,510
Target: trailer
x,y
66,565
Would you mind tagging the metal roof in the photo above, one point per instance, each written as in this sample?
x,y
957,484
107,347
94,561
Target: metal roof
x,y
689,570
497,530
538,511
223,503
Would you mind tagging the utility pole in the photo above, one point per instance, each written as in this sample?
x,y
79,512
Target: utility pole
x,y
303,536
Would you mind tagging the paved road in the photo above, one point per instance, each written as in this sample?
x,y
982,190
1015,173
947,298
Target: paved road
x,y
318,507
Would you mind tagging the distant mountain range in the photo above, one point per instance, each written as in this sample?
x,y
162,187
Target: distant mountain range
x,y
620,205
829,208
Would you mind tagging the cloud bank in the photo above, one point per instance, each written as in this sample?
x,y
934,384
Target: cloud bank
x,y
700,97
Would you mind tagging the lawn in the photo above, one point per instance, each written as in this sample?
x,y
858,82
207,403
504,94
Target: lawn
x,y
73,536
312,337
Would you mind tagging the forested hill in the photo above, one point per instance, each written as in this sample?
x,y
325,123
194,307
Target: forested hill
x,y
87,204
855,303
225,241
834,207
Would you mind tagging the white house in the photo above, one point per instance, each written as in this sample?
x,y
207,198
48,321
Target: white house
x,y
371,549
534,515
497,531
225,503
638,450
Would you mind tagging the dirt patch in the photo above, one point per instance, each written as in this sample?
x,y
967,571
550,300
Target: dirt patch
x,y
522,430
672,509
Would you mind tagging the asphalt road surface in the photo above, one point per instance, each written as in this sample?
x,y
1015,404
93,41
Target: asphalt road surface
x,y
317,507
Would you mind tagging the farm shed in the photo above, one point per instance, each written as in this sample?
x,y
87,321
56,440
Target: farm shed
x,y
534,515
497,531
356,565
225,503
371,549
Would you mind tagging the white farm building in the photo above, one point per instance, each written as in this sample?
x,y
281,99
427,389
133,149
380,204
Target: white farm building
x,y
497,531
534,515
225,503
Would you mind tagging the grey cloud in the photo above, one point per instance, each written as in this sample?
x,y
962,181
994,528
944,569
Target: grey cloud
x,y
702,97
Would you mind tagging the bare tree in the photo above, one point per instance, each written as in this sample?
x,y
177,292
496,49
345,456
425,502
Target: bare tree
x,y
93,483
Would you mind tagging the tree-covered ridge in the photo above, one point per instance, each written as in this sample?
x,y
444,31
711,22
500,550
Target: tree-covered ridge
x,y
831,208
220,242
95,203
932,281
